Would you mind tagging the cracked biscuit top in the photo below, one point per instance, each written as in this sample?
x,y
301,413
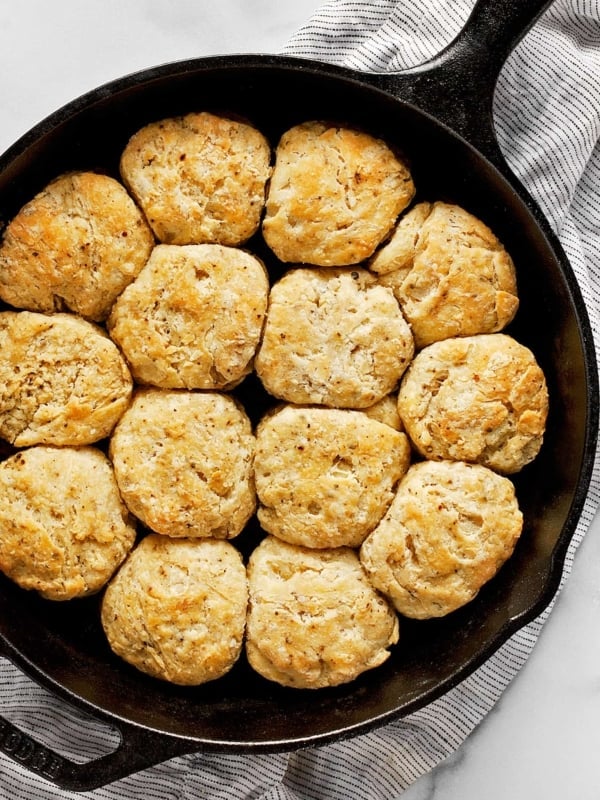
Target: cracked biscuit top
x,y
74,247
476,398
62,380
183,462
334,195
193,317
449,272
200,178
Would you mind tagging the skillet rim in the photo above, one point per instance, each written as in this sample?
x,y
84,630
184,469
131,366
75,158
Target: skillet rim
x,y
373,83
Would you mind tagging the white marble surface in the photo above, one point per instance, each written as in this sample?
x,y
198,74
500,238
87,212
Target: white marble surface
x,y
541,740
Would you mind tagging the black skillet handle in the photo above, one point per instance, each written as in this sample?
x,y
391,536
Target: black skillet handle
x,y
457,86
138,749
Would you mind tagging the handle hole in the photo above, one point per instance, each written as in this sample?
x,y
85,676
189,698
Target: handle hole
x,y
53,723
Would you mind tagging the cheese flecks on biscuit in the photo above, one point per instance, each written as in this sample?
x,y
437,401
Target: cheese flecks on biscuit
x,y
476,398
449,529
200,178
193,317
176,609
74,247
64,529
314,619
449,272
334,195
325,477
183,462
333,337
62,380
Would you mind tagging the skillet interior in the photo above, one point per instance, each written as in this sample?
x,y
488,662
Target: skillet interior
x,y
62,645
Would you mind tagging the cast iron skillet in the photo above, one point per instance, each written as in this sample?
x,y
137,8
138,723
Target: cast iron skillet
x,y
440,116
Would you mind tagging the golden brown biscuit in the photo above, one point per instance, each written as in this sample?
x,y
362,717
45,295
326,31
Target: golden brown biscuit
x,y
386,411
334,195
74,247
63,526
176,609
333,337
314,619
448,531
449,272
62,380
193,317
200,178
183,462
326,476
477,398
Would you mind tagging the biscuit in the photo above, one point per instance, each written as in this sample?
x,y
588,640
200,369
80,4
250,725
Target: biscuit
x,y
74,247
62,380
386,411
192,319
183,462
448,531
333,337
334,195
64,529
314,619
200,178
325,476
176,609
449,272
478,398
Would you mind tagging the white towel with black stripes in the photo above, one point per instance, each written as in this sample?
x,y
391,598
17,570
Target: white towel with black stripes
x,y
547,114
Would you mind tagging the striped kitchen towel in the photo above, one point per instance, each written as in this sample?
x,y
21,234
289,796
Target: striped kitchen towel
x,y
547,112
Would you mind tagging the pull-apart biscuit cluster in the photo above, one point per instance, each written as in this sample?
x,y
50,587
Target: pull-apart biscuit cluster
x,y
281,346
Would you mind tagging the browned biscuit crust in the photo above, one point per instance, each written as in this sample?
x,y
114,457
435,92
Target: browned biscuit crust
x,y
62,380
448,531
314,619
477,398
183,462
386,411
74,247
200,178
449,272
325,476
193,317
334,195
176,609
63,526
